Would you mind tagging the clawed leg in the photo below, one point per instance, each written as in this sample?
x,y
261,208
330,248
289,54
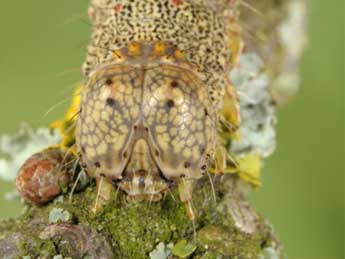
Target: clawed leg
x,y
104,189
185,189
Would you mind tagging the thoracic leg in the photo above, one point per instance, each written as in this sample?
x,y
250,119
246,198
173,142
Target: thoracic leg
x,y
104,189
185,188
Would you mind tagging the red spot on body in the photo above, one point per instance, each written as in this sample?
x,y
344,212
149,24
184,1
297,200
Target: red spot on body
x,y
91,12
232,2
118,8
177,2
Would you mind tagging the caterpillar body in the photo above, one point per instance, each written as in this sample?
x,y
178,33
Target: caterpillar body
x,y
156,75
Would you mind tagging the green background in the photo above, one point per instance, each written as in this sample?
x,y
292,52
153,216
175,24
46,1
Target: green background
x,y
42,45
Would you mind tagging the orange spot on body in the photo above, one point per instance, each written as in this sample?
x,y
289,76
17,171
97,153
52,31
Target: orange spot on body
x,y
118,8
177,2
91,12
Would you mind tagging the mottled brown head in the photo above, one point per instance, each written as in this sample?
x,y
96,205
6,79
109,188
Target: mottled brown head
x,y
146,120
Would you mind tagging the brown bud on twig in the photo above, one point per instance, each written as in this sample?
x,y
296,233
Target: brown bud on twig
x,y
44,176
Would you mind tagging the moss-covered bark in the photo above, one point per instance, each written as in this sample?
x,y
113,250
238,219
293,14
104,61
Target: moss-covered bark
x,y
135,230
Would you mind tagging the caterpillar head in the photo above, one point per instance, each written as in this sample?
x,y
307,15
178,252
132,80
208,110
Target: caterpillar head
x,y
146,121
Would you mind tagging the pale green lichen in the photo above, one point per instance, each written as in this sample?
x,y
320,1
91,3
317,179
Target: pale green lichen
x,y
161,251
15,149
59,215
257,130
269,253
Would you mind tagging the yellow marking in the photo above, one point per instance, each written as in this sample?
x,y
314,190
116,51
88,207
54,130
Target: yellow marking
x,y
179,55
160,48
117,55
134,49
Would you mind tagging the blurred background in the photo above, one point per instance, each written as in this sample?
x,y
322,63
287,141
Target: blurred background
x,y
42,46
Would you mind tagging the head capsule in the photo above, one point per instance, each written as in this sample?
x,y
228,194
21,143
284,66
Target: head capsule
x,y
146,121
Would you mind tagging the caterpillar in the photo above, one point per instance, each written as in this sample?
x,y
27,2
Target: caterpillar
x,y
156,98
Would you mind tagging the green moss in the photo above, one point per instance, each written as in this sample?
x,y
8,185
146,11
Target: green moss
x,y
226,242
37,248
135,229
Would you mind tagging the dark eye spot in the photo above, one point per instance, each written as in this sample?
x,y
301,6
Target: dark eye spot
x,y
109,81
170,104
206,112
125,155
98,164
174,84
186,164
203,167
156,152
111,102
